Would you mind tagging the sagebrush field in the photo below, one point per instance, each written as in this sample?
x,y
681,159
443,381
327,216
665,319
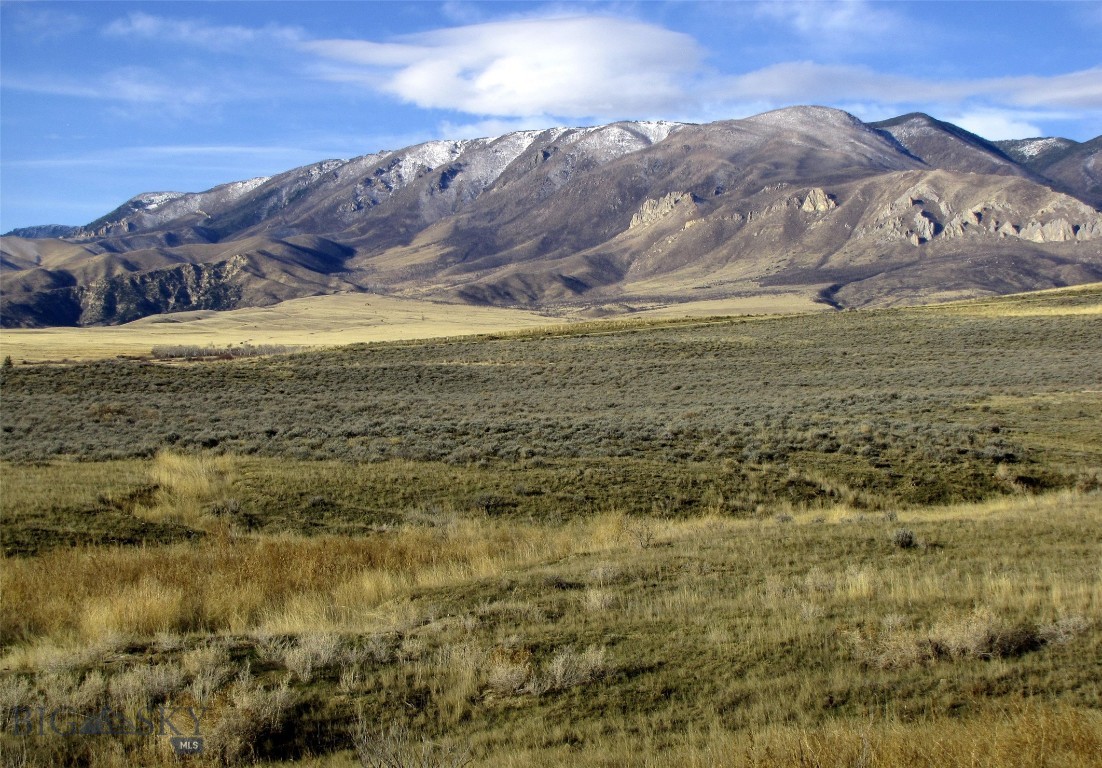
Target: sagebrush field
x,y
850,539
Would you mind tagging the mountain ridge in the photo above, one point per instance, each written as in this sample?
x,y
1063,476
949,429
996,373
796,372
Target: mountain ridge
x,y
861,214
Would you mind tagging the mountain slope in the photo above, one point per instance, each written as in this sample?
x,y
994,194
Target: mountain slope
x,y
1071,166
578,219
949,147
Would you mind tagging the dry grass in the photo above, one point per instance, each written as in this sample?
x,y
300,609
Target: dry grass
x,y
186,487
326,321
802,630
1024,736
484,631
281,585
318,321
37,488
1072,300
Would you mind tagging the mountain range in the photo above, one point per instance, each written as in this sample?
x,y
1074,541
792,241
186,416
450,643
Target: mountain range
x,y
597,220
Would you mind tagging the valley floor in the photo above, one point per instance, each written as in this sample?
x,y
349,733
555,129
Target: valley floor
x,y
329,321
836,539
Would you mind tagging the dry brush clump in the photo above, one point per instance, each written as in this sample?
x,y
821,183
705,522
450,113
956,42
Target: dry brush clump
x,y
395,746
305,655
979,635
145,685
251,713
191,351
514,671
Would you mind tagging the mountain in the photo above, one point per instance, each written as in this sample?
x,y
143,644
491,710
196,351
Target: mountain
x,y
1069,165
592,220
949,147
44,230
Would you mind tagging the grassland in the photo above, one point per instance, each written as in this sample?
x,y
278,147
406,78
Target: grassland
x,y
335,320
319,321
862,538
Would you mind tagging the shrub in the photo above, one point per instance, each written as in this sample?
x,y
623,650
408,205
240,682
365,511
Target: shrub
x,y
312,651
253,714
144,685
904,538
394,746
569,668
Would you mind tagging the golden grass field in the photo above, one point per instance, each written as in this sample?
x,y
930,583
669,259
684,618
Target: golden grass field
x,y
805,640
328,321
317,321
336,320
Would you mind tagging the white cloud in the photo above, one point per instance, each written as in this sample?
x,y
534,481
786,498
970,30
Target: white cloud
x,y
131,85
572,67
833,22
199,33
996,125
810,82
1075,89
47,23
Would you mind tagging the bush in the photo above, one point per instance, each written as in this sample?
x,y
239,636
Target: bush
x,y
904,538
394,746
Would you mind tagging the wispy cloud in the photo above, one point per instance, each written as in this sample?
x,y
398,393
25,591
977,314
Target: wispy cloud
x,y
802,81
573,67
215,37
839,22
177,155
1075,89
45,24
132,85
536,70
813,18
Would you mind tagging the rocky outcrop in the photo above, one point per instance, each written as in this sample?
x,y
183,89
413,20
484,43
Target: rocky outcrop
x,y
1055,231
817,201
915,217
127,297
657,209
923,228
923,213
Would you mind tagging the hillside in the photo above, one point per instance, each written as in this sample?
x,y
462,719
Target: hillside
x,y
570,220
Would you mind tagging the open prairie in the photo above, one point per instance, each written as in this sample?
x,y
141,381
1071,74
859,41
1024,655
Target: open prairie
x,y
317,321
823,539
340,319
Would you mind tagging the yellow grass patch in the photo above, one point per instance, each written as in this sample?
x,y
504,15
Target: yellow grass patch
x,y
317,321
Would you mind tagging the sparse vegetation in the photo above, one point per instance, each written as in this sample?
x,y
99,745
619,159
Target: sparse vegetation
x,y
634,583
196,351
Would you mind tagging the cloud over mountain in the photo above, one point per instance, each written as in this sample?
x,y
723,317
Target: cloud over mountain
x,y
333,79
575,67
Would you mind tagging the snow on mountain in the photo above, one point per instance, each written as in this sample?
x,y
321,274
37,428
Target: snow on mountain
x,y
802,118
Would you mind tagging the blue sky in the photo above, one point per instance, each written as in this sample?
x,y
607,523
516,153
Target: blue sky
x,y
102,101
